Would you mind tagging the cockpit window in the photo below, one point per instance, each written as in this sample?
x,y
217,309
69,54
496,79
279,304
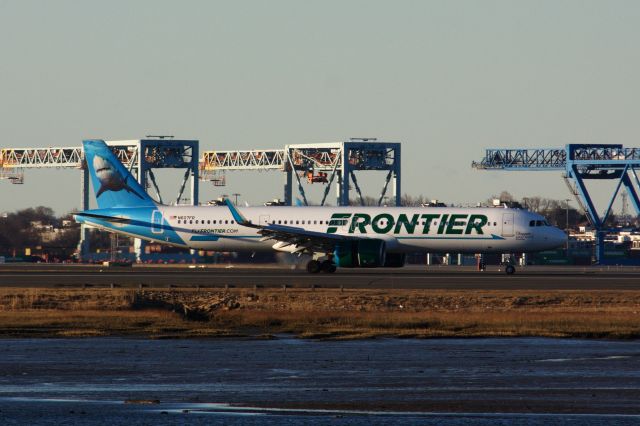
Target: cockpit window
x,y
532,223
539,223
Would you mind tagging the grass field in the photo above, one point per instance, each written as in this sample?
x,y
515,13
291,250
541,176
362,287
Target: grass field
x,y
323,313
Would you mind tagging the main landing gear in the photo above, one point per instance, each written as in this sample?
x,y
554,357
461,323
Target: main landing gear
x,y
315,266
509,265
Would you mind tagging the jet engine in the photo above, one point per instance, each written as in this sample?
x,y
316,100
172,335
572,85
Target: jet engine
x,y
365,253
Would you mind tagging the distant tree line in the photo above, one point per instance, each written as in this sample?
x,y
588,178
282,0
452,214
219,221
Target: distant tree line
x,y
17,232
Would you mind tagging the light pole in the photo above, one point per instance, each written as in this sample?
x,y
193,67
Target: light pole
x,y
236,195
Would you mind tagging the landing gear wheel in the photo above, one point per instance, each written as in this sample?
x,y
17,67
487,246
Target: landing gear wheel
x,y
510,269
313,267
328,267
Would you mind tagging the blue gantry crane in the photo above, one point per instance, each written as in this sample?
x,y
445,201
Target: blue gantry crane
x,y
328,163
579,163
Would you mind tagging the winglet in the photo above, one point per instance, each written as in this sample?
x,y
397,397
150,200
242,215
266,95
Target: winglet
x,y
237,216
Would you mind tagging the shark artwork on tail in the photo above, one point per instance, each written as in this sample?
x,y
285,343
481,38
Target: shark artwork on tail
x,y
113,184
109,177
332,237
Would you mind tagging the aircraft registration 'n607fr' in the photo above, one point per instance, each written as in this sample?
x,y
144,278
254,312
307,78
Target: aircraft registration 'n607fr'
x,y
333,236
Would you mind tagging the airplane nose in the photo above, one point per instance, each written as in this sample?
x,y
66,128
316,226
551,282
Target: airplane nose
x,y
560,237
554,238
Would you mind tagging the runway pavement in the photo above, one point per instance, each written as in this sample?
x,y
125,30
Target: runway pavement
x,y
414,277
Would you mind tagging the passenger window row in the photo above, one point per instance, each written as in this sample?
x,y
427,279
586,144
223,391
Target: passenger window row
x,y
205,222
298,222
226,222
316,222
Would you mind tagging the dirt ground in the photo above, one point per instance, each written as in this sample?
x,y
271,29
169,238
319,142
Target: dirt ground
x,y
319,313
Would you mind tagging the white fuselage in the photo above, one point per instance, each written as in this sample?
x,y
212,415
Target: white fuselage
x,y
404,229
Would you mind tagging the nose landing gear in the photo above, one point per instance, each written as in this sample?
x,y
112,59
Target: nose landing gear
x,y
510,269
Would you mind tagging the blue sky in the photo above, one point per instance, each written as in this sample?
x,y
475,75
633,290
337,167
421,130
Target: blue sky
x,y
447,79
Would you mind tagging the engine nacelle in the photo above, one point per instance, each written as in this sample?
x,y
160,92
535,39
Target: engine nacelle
x,y
365,253
395,260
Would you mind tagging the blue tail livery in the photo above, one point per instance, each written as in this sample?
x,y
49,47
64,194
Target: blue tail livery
x,y
113,184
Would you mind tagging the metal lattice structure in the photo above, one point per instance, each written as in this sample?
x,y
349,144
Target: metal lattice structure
x,y
580,162
537,159
61,157
321,163
157,155
41,157
258,159
337,162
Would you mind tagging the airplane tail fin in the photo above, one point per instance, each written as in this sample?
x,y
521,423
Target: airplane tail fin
x,y
113,184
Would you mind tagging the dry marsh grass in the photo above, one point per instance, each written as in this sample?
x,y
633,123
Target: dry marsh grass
x,y
318,314
436,324
64,299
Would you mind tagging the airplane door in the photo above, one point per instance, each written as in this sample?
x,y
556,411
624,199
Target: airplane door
x,y
507,224
156,222
264,219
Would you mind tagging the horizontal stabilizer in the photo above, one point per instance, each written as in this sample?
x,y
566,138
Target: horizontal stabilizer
x,y
113,219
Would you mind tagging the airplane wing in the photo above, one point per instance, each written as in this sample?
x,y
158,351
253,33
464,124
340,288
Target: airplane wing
x,y
302,238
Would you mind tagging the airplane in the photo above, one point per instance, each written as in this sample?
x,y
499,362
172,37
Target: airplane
x,y
333,237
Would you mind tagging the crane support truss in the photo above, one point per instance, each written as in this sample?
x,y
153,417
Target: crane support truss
x,y
336,161
156,156
57,157
270,159
530,159
580,162
41,157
